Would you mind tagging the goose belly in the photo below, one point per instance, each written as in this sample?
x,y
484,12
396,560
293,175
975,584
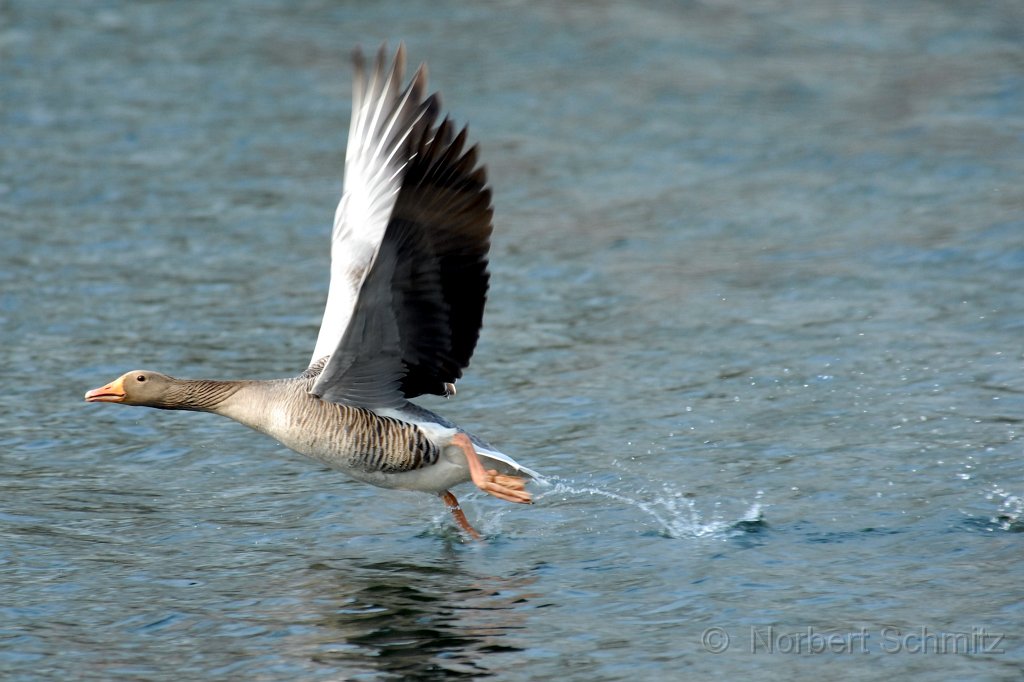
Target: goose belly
x,y
435,478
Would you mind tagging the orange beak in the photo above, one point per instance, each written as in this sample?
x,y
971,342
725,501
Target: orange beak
x,y
111,393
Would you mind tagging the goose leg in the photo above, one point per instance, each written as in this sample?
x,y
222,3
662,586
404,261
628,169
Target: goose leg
x,y
508,488
460,518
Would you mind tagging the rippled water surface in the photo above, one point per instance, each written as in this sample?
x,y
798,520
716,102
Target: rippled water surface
x,y
756,312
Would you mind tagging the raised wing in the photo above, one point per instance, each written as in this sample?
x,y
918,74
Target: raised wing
x,y
416,313
383,120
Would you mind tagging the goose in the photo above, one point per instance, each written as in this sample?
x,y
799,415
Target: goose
x,y
408,284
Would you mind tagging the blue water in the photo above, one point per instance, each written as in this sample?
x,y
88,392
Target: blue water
x,y
756,313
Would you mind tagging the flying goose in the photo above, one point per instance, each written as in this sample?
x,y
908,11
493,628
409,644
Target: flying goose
x,y
404,308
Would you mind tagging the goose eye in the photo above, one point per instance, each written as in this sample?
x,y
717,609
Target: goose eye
x,y
140,378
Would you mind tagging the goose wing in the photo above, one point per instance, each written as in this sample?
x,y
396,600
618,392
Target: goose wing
x,y
409,248
382,121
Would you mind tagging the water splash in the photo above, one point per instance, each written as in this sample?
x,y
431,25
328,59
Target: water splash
x,y
1011,510
676,513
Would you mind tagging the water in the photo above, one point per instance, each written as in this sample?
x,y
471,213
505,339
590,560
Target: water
x,y
756,313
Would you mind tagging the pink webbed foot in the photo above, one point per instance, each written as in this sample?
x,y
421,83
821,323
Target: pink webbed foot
x,y
508,488
460,518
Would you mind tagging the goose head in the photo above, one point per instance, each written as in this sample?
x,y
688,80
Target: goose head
x,y
138,387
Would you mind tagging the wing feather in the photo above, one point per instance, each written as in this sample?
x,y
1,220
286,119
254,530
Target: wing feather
x,y
409,249
382,121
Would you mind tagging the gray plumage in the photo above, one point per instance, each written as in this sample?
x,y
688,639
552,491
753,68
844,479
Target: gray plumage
x,y
408,285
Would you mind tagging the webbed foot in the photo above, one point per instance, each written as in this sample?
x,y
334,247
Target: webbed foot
x,y
508,488
460,518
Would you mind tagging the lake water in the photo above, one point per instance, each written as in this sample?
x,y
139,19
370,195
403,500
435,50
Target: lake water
x,y
756,313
